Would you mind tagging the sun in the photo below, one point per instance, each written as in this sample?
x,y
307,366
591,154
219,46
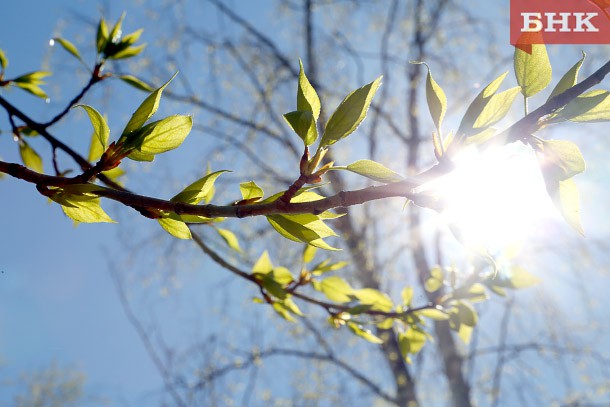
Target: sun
x,y
495,198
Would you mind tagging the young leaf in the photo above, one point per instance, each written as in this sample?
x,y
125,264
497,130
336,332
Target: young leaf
x,y
250,191
33,89
30,158
336,289
375,298
374,171
136,83
263,265
307,228
436,314
282,275
593,106
496,108
477,105
565,197
411,341
83,208
102,36
309,253
116,32
533,71
407,296
163,135
520,278
363,333
437,101
307,98
100,129
146,109
229,238
283,310
175,228
569,79
140,156
128,52
3,61
68,46
303,124
198,190
560,160
350,113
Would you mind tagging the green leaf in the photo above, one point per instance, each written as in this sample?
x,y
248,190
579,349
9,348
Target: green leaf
x,y
436,314
593,106
565,197
116,32
130,39
175,228
437,101
146,109
292,307
569,79
467,314
307,98
411,341
251,191
230,238
30,158
33,78
198,190
102,36
374,171
350,113
163,135
521,278
3,60
363,333
83,208
263,265
33,89
128,53
336,289
496,108
326,266
100,128
474,293
282,275
477,105
303,124
376,299
140,156
271,286
307,228
68,46
136,83
283,311
533,71
309,253
407,296
435,281
559,160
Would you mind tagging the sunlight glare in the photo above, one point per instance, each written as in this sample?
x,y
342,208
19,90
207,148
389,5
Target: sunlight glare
x,y
496,197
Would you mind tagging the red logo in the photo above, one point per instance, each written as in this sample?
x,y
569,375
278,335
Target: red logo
x,y
559,22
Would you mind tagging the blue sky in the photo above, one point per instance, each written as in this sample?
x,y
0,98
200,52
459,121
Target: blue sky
x,y
57,301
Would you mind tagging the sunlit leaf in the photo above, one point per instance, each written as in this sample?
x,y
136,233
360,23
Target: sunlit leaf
x,y
307,228
407,296
350,113
100,128
129,52
309,253
292,307
533,71
136,83
229,238
521,278
569,79
30,158
250,191
163,135
146,109
307,98
68,46
473,112
560,160
102,36
84,208
33,89
263,265
175,228
496,108
376,299
436,314
565,196
198,190
437,101
303,124
326,266
283,311
593,106
3,60
282,275
116,32
363,333
374,171
336,289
